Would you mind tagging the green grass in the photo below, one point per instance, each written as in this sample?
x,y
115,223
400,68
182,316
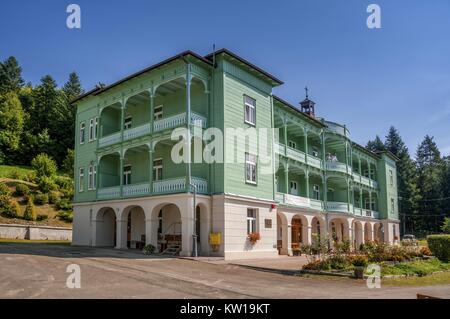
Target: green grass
x,y
442,278
26,241
7,171
420,268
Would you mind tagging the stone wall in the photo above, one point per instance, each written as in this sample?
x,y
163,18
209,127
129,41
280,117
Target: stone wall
x,y
14,231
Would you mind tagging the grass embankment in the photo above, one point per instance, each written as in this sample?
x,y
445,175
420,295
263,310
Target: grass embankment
x,y
15,172
26,241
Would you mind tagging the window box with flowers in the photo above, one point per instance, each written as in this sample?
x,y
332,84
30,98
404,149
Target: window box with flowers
x,y
253,237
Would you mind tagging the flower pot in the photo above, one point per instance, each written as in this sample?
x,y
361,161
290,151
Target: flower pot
x,y
359,272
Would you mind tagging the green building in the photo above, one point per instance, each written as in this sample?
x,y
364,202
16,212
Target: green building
x,y
262,178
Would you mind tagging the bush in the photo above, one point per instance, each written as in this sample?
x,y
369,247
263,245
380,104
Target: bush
x,y
425,251
446,226
44,165
317,265
9,207
40,199
66,216
47,184
30,211
21,190
53,197
149,249
14,174
42,217
64,204
30,177
440,246
66,186
359,261
339,262
4,190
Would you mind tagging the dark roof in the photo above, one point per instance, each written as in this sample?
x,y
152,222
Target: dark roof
x,y
388,153
237,57
183,54
300,112
365,149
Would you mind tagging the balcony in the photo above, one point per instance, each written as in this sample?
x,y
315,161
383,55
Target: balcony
x,y
297,155
371,213
337,167
158,125
167,186
336,128
339,207
299,201
364,180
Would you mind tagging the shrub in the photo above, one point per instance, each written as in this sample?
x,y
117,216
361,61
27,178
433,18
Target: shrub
x,y
66,216
4,190
14,174
21,190
149,249
425,251
446,225
359,261
317,265
343,247
440,246
30,177
66,186
40,199
53,197
339,262
254,237
47,184
30,211
42,217
64,204
5,203
9,207
44,165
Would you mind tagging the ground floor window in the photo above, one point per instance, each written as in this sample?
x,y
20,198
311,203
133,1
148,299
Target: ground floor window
x,y
251,220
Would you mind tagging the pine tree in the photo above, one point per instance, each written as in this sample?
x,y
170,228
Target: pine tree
x,y
430,168
10,76
375,145
11,124
30,211
406,176
72,88
446,187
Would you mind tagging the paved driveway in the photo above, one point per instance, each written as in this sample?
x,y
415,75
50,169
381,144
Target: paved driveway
x,y
39,271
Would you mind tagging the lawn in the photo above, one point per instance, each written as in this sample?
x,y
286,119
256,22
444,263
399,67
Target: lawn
x,y
26,241
442,278
7,171
420,268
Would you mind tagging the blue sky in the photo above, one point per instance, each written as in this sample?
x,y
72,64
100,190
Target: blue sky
x,y
368,79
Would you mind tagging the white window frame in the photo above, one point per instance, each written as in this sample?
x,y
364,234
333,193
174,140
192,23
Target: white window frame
x,y
251,161
292,144
127,122
127,174
391,178
157,168
316,190
157,115
252,225
81,179
251,118
291,184
94,177
369,203
91,130
392,205
90,176
82,132
95,128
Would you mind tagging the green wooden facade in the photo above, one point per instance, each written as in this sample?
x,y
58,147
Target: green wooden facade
x,y
316,165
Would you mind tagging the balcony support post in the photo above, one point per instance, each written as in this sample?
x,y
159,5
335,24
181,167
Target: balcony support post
x,y
306,145
307,183
152,109
360,199
285,137
121,172
348,194
97,176
150,163
188,127
286,178
370,202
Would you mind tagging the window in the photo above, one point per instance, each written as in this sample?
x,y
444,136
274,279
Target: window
x,y
391,178
157,169
251,220
82,132
92,175
250,168
127,124
95,128
370,203
91,130
127,175
250,110
158,112
315,152
392,205
292,144
293,188
316,192
81,179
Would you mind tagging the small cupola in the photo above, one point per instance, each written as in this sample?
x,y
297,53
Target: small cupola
x,y
307,106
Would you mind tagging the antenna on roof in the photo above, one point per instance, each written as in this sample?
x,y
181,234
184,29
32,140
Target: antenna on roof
x,y
306,91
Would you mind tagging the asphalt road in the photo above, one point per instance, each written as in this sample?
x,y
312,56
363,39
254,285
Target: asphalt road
x,y
39,271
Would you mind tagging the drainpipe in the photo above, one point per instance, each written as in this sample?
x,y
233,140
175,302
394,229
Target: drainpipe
x,y
194,235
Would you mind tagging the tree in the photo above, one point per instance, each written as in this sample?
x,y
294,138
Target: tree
x,y
72,88
446,225
375,145
446,187
430,168
10,76
67,165
30,211
406,175
44,166
11,124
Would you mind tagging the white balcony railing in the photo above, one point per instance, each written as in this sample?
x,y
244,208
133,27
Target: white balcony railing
x,y
364,180
109,139
357,211
177,120
136,132
108,192
338,207
337,167
200,184
295,154
316,204
296,200
279,197
136,189
314,161
279,148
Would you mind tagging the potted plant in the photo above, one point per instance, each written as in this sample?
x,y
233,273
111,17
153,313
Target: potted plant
x,y
360,263
254,237
149,249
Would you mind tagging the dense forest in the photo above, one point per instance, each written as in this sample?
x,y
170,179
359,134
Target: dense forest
x,y
39,119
